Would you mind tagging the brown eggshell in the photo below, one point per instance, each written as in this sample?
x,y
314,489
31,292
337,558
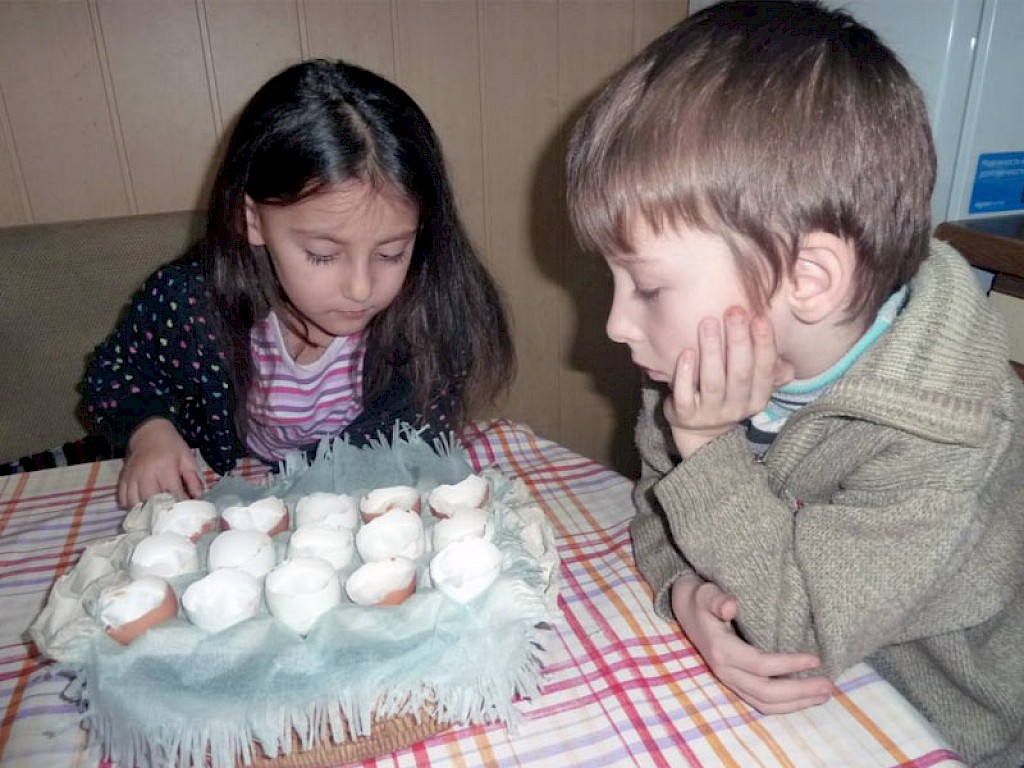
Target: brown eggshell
x,y
398,596
129,631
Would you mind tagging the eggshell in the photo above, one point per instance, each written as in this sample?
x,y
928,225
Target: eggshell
x,y
300,591
462,524
191,518
333,545
334,510
398,533
248,550
269,515
383,500
165,555
469,493
384,582
222,599
128,610
465,569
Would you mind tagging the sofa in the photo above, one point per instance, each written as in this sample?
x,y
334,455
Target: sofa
x,y
63,288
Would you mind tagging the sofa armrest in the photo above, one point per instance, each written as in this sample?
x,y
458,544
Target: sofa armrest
x,y
63,287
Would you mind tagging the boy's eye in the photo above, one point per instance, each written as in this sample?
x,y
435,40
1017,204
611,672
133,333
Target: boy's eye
x,y
391,256
319,258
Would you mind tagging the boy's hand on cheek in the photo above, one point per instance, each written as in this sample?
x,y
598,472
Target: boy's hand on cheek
x,y
727,379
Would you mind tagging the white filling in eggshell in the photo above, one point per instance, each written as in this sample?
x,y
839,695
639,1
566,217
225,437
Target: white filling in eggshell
x,y
383,500
333,510
165,555
221,599
465,569
470,493
398,533
248,550
269,515
333,545
120,605
301,590
190,518
385,582
462,524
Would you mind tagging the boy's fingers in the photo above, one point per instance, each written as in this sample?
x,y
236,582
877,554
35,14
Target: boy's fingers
x,y
739,357
712,363
684,380
765,356
779,664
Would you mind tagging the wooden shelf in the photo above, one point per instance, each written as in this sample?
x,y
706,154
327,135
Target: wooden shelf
x,y
993,243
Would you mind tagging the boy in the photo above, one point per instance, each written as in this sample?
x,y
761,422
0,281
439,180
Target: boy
x,y
832,438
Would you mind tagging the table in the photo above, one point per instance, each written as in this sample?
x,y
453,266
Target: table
x,y
621,687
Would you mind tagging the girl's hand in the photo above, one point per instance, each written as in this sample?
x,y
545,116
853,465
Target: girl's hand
x,y
730,380
705,613
159,460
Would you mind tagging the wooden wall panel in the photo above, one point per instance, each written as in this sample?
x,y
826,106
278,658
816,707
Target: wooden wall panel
x,y
14,207
438,63
60,119
522,194
159,85
130,117
250,41
359,31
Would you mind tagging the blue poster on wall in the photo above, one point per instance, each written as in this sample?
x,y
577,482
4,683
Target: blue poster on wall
x,y
998,183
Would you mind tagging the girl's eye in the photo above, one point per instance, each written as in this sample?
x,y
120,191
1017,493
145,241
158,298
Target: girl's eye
x,y
391,256
649,295
319,258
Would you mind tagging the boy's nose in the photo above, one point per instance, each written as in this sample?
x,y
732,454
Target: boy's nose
x,y
617,327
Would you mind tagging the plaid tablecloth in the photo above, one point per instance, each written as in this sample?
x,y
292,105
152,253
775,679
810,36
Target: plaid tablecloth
x,y
622,687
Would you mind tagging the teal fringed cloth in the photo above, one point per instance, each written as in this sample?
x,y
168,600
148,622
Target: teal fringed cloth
x,y
179,696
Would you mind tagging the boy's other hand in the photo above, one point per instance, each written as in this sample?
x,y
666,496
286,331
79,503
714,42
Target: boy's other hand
x,y
159,460
705,612
728,379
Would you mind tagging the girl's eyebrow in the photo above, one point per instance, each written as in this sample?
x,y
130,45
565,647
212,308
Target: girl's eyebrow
x,y
318,235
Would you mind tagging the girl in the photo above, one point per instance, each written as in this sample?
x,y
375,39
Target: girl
x,y
334,292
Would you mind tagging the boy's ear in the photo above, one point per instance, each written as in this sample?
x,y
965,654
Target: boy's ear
x,y
821,280
253,225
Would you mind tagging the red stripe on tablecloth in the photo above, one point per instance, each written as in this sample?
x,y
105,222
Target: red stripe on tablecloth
x,y
68,552
14,703
649,742
12,502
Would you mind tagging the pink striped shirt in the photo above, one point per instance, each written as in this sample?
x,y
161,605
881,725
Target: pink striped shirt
x,y
293,404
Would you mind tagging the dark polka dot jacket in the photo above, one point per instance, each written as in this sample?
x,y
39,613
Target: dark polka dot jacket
x,y
164,360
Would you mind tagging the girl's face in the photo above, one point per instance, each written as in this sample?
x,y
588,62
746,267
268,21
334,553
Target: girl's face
x,y
341,255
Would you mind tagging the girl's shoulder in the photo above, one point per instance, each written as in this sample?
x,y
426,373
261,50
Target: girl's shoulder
x,y
179,280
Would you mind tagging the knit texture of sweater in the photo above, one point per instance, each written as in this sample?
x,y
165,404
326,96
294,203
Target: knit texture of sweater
x,y
885,523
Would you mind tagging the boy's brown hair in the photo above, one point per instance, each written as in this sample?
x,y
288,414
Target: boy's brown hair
x,y
761,121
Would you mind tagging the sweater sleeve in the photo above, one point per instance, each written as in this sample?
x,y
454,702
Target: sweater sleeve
x,y
162,360
658,558
877,563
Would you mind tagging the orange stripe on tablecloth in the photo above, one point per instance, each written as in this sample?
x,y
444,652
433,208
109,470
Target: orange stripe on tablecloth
x,y
871,727
14,703
65,560
12,502
692,712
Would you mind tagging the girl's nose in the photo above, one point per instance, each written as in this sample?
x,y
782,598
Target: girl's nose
x,y
356,283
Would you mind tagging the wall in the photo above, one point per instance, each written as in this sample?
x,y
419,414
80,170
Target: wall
x,y
112,107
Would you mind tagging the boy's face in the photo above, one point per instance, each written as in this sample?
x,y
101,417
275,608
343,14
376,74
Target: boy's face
x,y
665,288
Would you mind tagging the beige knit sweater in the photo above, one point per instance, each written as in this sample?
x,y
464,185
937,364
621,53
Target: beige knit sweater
x,y
885,524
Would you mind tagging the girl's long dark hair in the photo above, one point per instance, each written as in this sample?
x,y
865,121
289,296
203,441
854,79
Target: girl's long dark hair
x,y
321,123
